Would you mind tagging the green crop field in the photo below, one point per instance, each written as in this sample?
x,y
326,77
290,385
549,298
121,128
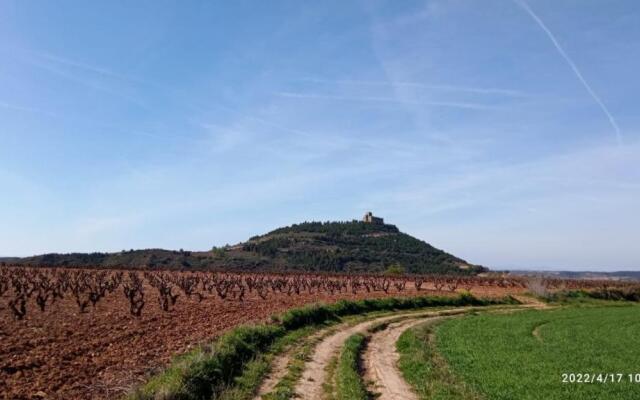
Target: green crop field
x,y
525,354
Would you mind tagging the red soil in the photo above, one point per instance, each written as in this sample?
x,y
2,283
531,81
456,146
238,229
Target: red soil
x,y
101,354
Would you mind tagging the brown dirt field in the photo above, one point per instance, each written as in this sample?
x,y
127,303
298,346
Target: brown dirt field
x,y
101,354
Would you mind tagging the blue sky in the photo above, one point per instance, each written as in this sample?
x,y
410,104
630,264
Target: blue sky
x,y
501,131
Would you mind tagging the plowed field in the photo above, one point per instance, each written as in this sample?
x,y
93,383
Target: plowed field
x,y
64,354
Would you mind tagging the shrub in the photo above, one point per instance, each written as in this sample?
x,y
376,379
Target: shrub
x,y
395,269
628,294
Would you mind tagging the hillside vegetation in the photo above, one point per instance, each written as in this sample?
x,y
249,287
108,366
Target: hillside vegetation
x,y
307,247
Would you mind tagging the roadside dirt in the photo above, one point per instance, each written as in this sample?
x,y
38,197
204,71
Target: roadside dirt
x,y
310,385
380,358
277,372
314,375
280,364
380,361
531,302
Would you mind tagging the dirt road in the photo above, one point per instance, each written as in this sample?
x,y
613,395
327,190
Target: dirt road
x,y
315,375
380,362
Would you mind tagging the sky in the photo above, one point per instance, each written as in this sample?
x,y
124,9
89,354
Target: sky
x,y
505,132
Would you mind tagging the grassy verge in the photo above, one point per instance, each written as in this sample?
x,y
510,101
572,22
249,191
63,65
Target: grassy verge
x,y
524,355
349,384
206,370
322,313
285,388
426,370
209,371
254,371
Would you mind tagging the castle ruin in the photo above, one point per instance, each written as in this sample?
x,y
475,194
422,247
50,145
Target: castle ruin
x,y
370,219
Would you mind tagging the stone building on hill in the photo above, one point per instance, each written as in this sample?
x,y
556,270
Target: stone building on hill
x,y
370,219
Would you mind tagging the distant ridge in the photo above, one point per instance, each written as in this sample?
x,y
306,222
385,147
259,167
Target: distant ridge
x,y
612,275
335,247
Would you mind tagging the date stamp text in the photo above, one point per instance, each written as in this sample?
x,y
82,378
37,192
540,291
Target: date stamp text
x,y
570,377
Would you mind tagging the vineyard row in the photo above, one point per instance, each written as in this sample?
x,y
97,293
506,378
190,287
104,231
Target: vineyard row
x,y
90,286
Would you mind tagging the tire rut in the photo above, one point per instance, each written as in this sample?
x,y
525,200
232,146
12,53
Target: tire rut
x,y
277,372
314,376
380,361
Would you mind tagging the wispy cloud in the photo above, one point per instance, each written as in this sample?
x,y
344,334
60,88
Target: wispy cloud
x,y
76,64
494,202
86,67
32,110
222,139
95,84
418,85
573,67
375,99
91,76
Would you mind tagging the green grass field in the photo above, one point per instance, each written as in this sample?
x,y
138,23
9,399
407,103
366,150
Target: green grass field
x,y
525,354
426,370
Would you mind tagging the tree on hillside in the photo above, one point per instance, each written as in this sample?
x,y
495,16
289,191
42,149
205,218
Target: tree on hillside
x,y
395,269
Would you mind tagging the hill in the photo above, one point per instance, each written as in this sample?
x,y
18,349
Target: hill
x,y
307,247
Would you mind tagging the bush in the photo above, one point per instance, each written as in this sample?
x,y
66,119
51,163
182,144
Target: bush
x,y
628,294
307,315
395,269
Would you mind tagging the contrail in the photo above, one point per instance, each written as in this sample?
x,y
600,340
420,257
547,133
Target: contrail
x,y
573,66
498,91
451,104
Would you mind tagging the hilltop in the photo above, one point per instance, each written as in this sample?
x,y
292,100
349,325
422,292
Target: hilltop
x,y
353,246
